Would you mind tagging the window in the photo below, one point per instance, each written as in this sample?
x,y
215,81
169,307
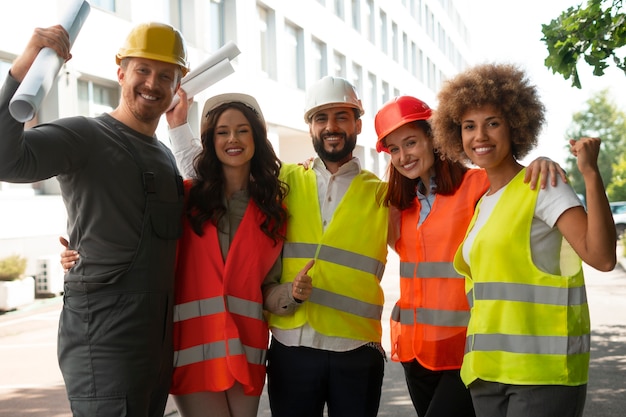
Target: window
x,y
431,73
372,99
294,55
405,51
104,4
121,8
339,65
267,38
356,78
95,99
215,30
383,32
339,9
356,15
394,41
418,12
414,59
385,96
430,23
184,20
319,66
370,22
420,65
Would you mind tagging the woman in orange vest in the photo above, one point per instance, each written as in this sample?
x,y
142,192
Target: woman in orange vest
x,y
234,227
432,201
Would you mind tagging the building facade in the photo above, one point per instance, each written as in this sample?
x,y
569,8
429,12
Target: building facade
x,y
384,47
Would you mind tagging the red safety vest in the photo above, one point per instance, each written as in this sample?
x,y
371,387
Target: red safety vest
x,y
220,333
429,321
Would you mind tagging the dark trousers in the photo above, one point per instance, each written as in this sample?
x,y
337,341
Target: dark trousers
x,y
115,353
493,399
437,393
301,380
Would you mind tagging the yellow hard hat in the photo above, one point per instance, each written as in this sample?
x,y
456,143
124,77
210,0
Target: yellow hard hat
x,y
156,41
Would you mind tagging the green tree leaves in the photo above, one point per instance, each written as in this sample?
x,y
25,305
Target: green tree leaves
x,y
595,33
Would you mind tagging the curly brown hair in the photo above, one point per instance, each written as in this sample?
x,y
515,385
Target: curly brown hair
x,y
206,196
503,85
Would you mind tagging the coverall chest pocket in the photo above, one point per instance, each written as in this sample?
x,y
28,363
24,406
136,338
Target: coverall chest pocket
x,y
166,219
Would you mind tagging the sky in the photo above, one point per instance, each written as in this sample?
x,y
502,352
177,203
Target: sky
x,y
510,31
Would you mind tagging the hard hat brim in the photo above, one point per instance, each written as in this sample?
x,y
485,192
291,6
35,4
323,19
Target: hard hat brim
x,y
215,101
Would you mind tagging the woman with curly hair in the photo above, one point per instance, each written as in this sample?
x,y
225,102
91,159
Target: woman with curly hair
x,y
233,234
527,347
431,200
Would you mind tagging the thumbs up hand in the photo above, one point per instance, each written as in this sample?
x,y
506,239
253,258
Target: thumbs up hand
x,y
302,285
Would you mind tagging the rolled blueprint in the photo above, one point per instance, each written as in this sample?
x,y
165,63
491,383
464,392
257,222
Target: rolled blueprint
x,y
42,73
204,80
213,69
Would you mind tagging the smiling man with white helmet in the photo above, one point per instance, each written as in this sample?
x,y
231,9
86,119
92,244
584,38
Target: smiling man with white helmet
x,y
326,348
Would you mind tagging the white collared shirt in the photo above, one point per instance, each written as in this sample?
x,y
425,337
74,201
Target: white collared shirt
x,y
330,190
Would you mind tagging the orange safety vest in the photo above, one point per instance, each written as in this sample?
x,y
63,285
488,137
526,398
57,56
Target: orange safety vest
x,y
220,333
429,321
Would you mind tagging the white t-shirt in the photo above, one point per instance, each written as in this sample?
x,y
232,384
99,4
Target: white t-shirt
x,y
545,239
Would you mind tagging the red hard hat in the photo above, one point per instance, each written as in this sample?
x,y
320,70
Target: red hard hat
x,y
397,112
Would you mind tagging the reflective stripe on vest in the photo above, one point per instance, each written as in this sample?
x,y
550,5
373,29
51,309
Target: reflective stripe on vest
x,y
217,350
338,256
347,304
445,318
536,345
530,293
433,317
429,270
215,305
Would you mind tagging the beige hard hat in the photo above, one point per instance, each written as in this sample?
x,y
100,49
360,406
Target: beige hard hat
x,y
220,99
156,41
330,92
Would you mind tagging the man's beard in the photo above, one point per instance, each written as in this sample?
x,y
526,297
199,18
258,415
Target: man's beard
x,y
349,143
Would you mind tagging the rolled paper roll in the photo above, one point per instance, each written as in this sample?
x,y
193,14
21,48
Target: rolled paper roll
x,y
37,83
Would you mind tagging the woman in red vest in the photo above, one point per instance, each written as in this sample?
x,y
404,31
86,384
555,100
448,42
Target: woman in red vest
x,y
432,201
234,228
233,233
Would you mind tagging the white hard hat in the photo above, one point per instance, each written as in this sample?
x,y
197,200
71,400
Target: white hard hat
x,y
215,101
330,92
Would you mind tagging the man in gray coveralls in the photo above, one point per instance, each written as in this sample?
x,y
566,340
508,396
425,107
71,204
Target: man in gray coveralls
x,y
124,197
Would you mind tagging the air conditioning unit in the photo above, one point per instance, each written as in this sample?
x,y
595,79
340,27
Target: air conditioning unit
x,y
49,276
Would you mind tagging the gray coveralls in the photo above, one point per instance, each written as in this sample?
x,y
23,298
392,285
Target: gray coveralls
x,y
115,338
124,197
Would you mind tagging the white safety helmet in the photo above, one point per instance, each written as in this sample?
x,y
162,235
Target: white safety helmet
x,y
330,92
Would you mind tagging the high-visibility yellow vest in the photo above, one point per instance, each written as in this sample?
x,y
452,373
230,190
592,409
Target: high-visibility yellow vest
x,y
527,327
350,255
429,321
